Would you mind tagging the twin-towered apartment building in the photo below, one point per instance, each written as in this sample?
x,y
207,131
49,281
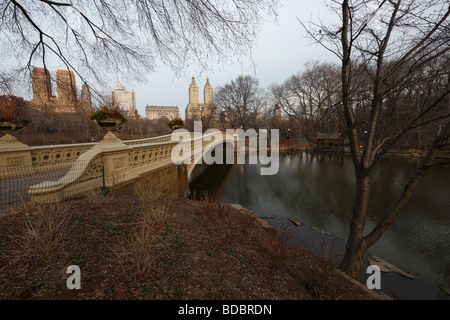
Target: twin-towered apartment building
x,y
43,98
194,110
66,99
201,111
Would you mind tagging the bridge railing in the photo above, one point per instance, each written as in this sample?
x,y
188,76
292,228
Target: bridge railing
x,y
83,175
165,138
150,153
41,158
44,156
107,164
18,189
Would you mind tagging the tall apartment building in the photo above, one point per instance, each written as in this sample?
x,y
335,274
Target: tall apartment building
x,y
65,81
196,110
42,87
161,112
66,101
124,99
67,91
86,96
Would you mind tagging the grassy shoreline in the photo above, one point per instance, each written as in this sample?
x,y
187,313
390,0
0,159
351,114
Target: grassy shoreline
x,y
151,247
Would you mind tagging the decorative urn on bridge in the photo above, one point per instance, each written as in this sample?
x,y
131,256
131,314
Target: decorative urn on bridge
x,y
176,123
110,119
6,127
9,125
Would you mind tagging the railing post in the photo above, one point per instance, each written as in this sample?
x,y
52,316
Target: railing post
x,y
115,159
13,154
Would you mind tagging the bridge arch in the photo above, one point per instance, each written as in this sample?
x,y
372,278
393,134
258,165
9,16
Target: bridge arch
x,y
227,145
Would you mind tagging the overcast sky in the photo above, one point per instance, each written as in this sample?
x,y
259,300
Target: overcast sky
x,y
281,51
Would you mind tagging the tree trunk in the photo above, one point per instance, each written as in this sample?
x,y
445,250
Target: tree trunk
x,y
356,245
351,264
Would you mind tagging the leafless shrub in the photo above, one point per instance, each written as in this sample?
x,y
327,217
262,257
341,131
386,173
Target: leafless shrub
x,y
321,281
96,197
245,221
157,216
277,249
215,211
328,253
220,215
139,251
147,194
155,208
44,227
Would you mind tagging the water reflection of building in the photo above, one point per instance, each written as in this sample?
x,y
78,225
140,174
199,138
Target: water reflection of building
x,y
288,162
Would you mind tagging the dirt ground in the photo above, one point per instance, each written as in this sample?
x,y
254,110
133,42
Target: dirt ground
x,y
150,247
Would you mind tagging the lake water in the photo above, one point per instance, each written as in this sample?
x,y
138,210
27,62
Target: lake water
x,y
318,190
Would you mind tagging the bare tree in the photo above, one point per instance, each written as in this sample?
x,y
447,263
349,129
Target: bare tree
x,y
391,42
240,102
311,98
97,38
208,117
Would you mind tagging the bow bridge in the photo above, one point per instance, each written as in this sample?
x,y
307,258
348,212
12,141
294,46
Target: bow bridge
x,y
111,163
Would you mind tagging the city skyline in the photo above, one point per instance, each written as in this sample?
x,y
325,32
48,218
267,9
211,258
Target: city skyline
x,y
64,98
282,50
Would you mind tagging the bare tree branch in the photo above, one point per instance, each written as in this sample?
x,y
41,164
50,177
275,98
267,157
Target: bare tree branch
x,y
125,38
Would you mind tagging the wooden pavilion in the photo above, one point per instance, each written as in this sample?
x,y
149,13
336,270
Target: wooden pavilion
x,y
331,141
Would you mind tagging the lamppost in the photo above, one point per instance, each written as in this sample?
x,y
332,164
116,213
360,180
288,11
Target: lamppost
x,y
361,146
